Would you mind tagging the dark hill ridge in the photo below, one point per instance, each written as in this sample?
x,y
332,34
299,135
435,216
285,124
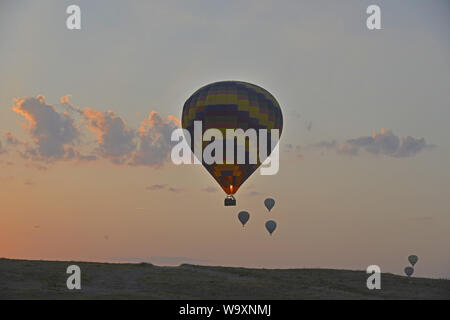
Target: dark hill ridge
x,y
23,279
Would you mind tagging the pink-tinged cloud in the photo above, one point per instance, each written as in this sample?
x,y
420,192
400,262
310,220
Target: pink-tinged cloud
x,y
52,133
65,99
115,140
55,135
149,146
154,140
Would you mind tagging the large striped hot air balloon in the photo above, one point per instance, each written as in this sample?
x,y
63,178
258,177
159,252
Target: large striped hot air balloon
x,y
232,105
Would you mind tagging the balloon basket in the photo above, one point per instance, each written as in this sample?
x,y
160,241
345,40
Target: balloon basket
x,y
230,201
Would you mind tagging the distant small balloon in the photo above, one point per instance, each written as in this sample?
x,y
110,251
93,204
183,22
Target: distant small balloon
x,y
243,217
269,203
409,271
271,226
413,259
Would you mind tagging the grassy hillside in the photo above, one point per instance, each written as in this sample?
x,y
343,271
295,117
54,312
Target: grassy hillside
x,y
21,279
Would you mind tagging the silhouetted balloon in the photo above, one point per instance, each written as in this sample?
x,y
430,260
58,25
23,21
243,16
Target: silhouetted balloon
x,y
243,217
269,203
232,105
413,259
271,226
409,271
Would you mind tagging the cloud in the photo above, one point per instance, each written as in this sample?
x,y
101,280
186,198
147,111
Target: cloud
x,y
324,144
156,187
115,140
11,140
176,190
57,135
210,190
254,194
53,133
29,183
410,146
383,143
86,158
37,166
155,144
386,143
65,100
347,149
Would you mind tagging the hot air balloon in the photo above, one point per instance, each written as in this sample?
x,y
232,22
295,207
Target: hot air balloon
x,y
243,217
413,259
269,203
271,226
232,105
409,271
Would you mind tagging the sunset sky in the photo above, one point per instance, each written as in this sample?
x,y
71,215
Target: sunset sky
x,y
86,117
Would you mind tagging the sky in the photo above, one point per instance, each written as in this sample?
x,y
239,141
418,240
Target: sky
x,y
86,117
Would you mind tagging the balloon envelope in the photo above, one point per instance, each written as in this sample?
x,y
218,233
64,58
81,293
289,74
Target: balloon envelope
x,y
271,226
232,105
409,271
243,217
413,259
269,203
